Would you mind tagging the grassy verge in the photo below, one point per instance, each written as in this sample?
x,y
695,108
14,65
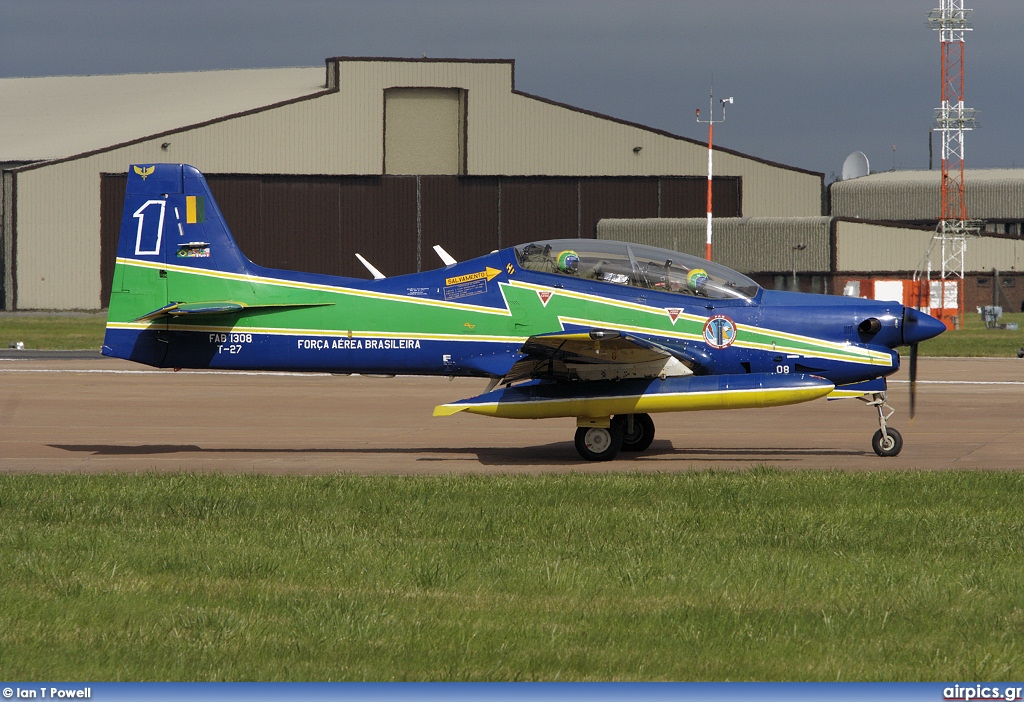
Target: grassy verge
x,y
53,331
753,575
973,339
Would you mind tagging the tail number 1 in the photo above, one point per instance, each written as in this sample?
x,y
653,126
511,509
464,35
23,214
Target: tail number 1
x,y
151,227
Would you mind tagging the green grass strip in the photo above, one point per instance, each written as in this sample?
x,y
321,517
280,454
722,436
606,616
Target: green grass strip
x,y
62,332
975,340
756,575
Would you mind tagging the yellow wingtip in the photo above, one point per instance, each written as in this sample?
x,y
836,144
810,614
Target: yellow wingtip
x,y
447,410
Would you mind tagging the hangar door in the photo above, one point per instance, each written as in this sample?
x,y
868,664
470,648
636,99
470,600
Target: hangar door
x,y
424,131
318,223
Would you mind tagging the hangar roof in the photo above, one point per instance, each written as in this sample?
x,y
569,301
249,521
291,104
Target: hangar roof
x,y
56,117
992,194
981,175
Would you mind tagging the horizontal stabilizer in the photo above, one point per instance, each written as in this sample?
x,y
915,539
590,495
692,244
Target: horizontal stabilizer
x,y
180,309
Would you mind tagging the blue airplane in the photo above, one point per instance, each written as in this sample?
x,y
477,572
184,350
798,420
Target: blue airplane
x,y
603,331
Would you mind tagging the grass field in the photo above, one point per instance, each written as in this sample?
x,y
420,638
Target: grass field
x,y
977,341
86,332
756,575
53,331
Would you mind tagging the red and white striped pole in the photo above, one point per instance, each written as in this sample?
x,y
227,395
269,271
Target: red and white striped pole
x,y
707,250
711,126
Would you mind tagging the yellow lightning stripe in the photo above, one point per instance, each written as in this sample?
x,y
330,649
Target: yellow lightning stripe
x,y
620,304
282,283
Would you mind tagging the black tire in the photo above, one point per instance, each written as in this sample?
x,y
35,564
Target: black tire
x,y
642,435
598,444
884,448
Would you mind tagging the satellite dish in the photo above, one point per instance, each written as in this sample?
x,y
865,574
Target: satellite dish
x,y
855,166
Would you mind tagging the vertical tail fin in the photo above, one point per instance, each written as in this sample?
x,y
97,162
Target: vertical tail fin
x,y
170,217
174,249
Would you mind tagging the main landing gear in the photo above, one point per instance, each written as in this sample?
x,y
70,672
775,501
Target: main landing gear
x,y
886,441
635,432
625,432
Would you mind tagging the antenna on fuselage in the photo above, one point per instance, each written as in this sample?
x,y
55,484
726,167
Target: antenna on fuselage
x,y
377,275
445,257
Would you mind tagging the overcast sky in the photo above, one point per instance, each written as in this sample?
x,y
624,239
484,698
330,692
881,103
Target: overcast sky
x,y
812,80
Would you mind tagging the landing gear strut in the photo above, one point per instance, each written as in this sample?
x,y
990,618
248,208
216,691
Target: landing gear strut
x,y
886,441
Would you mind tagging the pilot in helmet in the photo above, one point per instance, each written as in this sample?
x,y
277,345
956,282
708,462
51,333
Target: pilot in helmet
x,y
696,279
568,262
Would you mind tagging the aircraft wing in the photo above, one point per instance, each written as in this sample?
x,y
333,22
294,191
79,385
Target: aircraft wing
x,y
598,372
597,398
600,354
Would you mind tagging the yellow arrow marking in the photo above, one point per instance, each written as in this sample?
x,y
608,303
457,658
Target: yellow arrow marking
x,y
487,273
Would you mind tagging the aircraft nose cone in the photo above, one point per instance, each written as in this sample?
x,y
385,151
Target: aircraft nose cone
x,y
918,326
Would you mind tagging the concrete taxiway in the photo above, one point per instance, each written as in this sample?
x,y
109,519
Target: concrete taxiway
x,y
87,414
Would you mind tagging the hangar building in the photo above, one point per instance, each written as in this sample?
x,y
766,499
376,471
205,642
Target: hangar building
x,y
384,157
880,228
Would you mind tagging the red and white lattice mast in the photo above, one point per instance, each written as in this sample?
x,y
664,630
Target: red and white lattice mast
x,y
952,120
711,121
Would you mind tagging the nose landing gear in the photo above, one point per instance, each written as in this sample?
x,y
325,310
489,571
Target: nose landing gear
x,y
887,441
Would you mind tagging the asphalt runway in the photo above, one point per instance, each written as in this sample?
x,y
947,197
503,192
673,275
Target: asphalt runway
x,y
86,414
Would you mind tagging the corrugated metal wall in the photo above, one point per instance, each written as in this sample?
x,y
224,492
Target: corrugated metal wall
x,y
747,244
547,207
914,196
765,245
864,247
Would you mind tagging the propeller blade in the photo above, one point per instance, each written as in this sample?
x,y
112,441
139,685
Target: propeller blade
x,y
913,378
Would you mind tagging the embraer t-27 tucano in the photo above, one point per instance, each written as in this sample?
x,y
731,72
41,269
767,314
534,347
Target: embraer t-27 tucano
x,y
607,332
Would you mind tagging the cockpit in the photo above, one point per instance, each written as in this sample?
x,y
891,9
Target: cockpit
x,y
636,265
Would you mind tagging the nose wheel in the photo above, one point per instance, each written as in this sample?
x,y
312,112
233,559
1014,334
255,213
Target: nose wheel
x,y
887,441
888,444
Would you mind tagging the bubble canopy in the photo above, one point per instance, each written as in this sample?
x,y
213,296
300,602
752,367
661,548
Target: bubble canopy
x,y
637,265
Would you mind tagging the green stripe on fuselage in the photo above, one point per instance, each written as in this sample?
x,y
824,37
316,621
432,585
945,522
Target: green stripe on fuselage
x,y
360,311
